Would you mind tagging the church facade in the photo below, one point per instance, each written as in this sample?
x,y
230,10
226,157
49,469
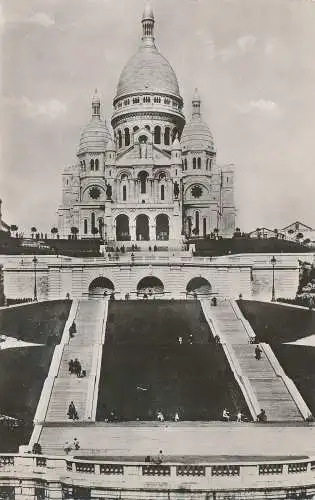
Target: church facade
x,y
154,177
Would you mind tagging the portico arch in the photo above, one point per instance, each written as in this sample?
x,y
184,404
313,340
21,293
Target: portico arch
x,y
162,227
101,285
150,284
199,285
142,228
122,228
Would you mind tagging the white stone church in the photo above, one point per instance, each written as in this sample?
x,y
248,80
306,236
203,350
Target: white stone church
x,y
156,179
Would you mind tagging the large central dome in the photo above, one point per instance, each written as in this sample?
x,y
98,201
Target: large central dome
x,y
147,70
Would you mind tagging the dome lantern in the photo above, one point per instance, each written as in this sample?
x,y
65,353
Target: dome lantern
x,y
96,105
148,25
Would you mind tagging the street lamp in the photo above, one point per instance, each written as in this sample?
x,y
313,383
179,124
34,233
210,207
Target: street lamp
x,y
273,293
35,260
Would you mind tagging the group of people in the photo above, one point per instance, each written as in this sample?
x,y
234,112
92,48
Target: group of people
x,y
72,412
75,445
76,368
161,418
226,416
240,417
189,339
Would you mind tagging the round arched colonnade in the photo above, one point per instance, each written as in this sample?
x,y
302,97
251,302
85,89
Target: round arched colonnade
x,y
150,285
142,227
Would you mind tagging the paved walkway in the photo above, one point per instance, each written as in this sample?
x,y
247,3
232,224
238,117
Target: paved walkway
x,y
86,345
183,439
269,389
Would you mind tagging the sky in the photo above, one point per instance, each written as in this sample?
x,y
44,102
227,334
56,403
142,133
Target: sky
x,y
253,62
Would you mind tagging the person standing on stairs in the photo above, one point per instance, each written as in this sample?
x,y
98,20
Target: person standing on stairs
x,y
258,352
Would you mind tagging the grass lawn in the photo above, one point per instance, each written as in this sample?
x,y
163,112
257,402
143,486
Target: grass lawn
x,y
275,325
145,369
41,323
23,370
22,374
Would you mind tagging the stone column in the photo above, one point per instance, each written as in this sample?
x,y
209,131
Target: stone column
x,y
152,230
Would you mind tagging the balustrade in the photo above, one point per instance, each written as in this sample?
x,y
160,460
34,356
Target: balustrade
x,y
270,469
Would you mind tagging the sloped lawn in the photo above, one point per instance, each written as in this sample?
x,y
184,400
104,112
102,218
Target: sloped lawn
x,y
276,325
41,323
145,369
23,370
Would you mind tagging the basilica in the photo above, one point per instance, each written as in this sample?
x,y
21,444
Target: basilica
x,y
153,176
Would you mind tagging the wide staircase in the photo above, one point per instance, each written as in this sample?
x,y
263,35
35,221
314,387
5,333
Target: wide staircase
x,y
86,346
268,385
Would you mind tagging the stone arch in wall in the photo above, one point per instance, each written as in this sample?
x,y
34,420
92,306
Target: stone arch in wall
x,y
199,285
142,227
101,285
150,285
162,227
122,228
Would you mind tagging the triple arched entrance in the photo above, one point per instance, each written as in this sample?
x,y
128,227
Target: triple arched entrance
x,y
162,228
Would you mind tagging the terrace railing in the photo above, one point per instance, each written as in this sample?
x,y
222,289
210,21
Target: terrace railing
x,y
123,475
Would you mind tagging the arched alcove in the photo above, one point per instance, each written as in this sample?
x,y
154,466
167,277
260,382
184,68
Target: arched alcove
x,y
198,285
149,285
101,285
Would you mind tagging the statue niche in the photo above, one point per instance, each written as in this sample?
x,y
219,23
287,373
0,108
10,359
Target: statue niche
x,y
109,192
176,190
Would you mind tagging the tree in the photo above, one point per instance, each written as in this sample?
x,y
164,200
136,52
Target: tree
x,y
54,231
13,228
74,231
33,231
94,231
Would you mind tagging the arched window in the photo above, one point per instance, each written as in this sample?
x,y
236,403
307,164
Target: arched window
x,y
92,220
199,163
147,127
97,164
162,192
157,135
167,136
124,193
92,164
194,163
127,137
135,128
143,182
124,177
185,161
174,134
85,226
204,227
119,139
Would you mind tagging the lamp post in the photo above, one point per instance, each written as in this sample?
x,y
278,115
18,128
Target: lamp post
x,y
273,293
35,260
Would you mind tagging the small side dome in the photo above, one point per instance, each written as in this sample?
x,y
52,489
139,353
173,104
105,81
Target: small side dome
x,y
94,137
196,135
